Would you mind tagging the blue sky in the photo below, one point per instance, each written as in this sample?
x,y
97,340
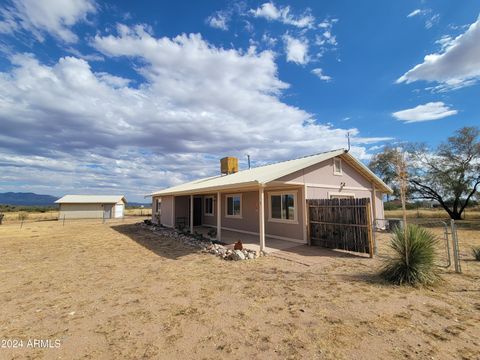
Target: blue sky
x,y
122,97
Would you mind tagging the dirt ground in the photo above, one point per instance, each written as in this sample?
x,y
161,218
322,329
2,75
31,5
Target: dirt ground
x,y
16,216
118,291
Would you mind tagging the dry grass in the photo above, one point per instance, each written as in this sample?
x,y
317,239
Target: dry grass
x,y
15,216
469,214
118,291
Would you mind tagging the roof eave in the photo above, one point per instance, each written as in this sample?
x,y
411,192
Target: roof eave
x,y
208,189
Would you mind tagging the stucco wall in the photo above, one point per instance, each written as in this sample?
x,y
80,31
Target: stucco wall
x,y
287,230
182,208
81,211
322,173
208,219
249,219
166,209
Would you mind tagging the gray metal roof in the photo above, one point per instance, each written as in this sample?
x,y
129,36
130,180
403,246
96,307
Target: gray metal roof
x,y
91,199
264,174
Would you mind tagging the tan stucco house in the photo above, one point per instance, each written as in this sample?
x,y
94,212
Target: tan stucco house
x,y
269,201
91,206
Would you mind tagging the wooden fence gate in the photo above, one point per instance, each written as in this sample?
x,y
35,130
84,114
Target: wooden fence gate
x,y
341,224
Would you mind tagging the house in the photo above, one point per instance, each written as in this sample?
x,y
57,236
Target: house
x,y
91,206
268,201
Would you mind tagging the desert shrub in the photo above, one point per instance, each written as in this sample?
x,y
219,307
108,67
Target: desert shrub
x,y
476,253
413,262
22,216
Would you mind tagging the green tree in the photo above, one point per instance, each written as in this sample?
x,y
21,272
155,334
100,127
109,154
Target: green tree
x,y
449,174
383,164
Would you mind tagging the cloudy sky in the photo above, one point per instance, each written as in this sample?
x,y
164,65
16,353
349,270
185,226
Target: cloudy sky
x,y
130,97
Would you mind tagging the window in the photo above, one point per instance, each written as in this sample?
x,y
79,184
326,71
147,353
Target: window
x,y
159,203
209,205
283,207
337,166
234,206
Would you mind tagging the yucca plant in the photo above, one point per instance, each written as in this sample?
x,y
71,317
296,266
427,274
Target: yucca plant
x,y
476,253
413,262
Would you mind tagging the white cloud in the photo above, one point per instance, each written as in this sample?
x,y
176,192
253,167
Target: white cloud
x,y
427,14
326,39
269,40
433,20
319,72
67,126
296,49
271,12
427,112
219,20
456,66
415,13
54,17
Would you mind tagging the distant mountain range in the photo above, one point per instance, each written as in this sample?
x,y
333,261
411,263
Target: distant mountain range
x,y
13,198
32,199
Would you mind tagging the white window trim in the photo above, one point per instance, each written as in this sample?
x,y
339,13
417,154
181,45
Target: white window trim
x,y
295,202
226,206
337,173
205,206
330,194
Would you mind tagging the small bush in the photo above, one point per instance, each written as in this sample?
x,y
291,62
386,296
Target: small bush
x,y
476,253
22,216
414,259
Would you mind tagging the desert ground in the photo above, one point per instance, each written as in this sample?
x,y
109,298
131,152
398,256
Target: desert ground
x,y
16,216
119,291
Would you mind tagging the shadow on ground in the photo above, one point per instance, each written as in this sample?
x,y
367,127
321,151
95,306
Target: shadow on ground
x,y
158,244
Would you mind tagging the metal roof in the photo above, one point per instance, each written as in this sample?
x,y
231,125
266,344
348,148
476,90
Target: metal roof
x,y
91,199
264,174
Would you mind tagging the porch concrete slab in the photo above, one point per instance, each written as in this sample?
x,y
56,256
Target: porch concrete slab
x,y
250,241
313,255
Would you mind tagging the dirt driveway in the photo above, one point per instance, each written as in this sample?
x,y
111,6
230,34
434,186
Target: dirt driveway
x,y
117,291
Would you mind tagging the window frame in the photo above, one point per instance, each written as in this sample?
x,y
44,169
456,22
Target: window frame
x,y
239,216
295,206
335,168
343,194
205,206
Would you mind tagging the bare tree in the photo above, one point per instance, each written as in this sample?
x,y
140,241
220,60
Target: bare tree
x,y
450,174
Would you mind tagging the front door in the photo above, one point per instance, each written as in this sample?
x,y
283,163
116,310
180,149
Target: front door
x,y
107,211
197,211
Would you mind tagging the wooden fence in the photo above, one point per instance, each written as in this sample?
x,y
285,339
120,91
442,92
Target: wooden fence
x,y
341,224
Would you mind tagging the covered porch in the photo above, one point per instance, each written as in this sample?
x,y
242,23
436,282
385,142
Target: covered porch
x,y
250,241
264,218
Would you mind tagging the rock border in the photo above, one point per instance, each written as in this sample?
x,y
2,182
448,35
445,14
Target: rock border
x,y
206,245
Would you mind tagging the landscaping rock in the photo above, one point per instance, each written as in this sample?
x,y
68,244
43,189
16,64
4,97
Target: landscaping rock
x,y
239,255
204,244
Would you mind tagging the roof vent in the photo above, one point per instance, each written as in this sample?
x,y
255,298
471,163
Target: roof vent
x,y
229,165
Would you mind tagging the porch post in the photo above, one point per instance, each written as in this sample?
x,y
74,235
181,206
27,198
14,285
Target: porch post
x,y
219,216
261,217
191,214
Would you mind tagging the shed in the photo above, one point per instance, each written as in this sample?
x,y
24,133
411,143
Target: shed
x,y
92,206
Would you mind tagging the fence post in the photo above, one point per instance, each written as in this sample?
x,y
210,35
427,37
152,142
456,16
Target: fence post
x,y
456,255
63,220
369,229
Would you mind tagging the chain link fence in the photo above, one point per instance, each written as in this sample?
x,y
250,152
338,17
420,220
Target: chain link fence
x,y
452,249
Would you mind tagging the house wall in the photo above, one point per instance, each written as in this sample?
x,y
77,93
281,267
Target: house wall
x,y
166,210
286,230
322,173
249,219
182,208
81,211
208,219
322,182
